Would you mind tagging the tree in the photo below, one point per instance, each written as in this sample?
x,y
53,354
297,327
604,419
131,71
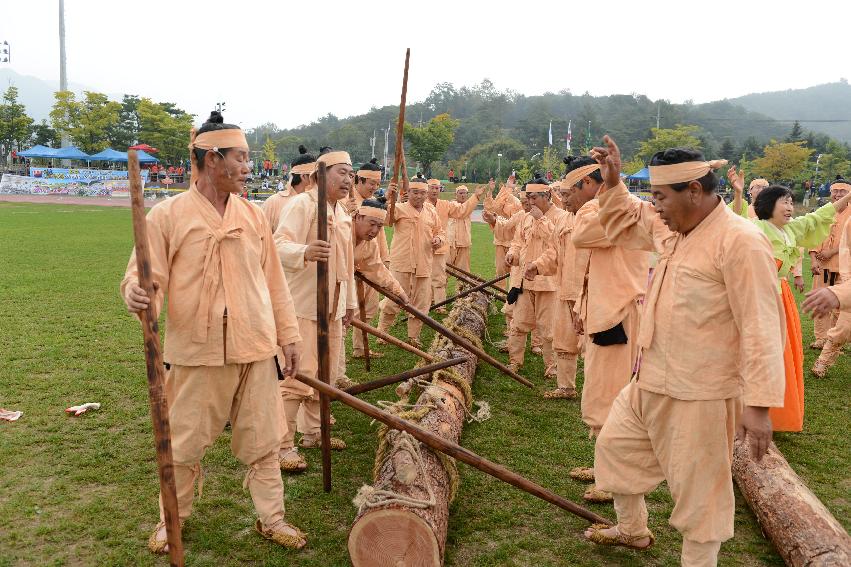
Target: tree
x,y
167,131
831,165
14,123
269,150
87,122
728,151
430,142
680,136
750,149
797,133
125,133
44,135
782,161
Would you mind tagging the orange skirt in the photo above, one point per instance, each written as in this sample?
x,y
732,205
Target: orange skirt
x,y
791,416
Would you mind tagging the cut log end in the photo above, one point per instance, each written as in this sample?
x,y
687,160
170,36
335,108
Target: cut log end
x,y
393,537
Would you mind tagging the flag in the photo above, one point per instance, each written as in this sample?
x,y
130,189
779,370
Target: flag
x,y
551,132
569,136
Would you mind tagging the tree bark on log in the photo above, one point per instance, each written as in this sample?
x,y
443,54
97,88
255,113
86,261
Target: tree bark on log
x,y
408,525
801,528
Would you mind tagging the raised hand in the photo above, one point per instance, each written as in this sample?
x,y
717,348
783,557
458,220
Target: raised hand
x,y
609,158
736,179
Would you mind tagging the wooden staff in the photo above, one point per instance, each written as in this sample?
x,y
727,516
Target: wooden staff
x,y
468,291
473,276
402,376
469,281
455,451
322,350
400,138
392,340
454,337
154,363
364,334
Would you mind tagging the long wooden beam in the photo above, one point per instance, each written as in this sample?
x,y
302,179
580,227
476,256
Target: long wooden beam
x,y
402,376
468,291
454,450
451,335
322,323
472,278
392,340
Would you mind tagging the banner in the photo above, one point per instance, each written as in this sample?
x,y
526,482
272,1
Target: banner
x,y
21,185
63,175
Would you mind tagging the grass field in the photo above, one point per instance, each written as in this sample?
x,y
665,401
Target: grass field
x,y
82,491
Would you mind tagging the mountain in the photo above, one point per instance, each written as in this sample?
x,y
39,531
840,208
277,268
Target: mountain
x,y
37,94
823,108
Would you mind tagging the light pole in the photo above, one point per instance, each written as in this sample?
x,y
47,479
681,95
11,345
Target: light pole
x,y
499,166
818,159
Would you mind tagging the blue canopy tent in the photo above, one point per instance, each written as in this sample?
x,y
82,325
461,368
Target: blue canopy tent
x,y
39,151
641,175
108,155
71,152
144,157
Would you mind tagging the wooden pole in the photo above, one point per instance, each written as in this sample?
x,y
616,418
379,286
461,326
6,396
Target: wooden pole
x,y
364,334
469,281
392,340
454,450
322,308
400,138
154,363
454,337
468,291
402,376
473,276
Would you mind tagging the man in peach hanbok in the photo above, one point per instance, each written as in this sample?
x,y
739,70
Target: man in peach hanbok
x,y
825,300
459,230
299,249
712,341
825,264
417,234
615,281
300,181
229,311
537,300
447,210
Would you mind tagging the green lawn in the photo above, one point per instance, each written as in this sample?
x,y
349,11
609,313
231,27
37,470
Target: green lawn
x,y
82,491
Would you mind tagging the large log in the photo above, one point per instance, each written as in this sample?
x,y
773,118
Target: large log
x,y
404,516
802,529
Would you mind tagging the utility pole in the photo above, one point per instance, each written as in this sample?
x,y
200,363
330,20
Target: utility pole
x,y
372,142
658,113
63,74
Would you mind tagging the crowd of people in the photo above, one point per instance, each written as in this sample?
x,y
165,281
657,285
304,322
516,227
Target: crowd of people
x,y
680,308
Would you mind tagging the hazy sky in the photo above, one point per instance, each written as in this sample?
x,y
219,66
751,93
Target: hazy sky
x,y
292,62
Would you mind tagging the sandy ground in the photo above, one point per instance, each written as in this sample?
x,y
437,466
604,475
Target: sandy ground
x,y
112,202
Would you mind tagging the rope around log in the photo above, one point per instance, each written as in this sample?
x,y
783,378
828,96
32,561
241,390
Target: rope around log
x,y
376,496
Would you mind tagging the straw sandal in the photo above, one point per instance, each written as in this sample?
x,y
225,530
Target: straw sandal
x,y
561,394
817,344
155,544
594,494
501,346
344,382
337,444
292,461
537,350
582,474
372,354
595,534
275,535
415,343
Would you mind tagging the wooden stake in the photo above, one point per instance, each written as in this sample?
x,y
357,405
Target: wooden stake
x,y
154,363
455,451
322,308
469,281
474,277
454,337
400,139
402,376
468,291
392,340
364,334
